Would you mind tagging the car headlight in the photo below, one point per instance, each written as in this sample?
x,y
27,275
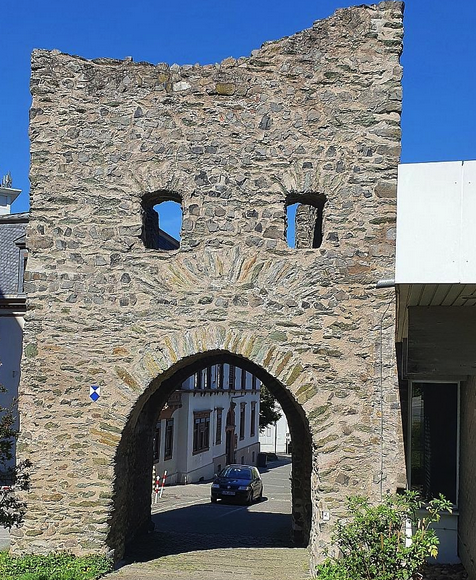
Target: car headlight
x,y
244,488
215,485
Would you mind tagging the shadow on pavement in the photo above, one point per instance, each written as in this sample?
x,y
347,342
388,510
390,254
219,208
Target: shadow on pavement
x,y
210,527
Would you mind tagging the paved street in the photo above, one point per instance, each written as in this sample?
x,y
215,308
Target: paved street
x,y
194,537
188,510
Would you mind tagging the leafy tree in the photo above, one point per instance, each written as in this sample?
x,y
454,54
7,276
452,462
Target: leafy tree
x,y
12,479
267,411
373,543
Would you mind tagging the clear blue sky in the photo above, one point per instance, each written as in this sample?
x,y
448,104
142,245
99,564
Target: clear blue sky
x,y
439,110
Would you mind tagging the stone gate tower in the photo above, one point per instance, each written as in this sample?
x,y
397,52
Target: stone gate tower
x,y
313,118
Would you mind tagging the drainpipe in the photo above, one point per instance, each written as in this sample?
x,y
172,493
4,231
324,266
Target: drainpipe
x,y
390,283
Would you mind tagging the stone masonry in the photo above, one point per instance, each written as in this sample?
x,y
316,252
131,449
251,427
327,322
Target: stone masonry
x,y
313,118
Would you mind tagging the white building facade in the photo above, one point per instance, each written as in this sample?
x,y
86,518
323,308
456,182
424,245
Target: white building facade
x,y
12,298
435,281
211,421
275,438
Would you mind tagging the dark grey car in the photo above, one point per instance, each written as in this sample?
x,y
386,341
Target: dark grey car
x,y
240,482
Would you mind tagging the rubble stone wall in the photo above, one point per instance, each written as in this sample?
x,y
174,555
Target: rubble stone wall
x,y
312,115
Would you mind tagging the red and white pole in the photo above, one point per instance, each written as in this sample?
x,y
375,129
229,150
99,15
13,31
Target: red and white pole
x,y
155,484
163,483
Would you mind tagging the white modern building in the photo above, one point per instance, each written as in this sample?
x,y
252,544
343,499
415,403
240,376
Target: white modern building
x,y
275,438
210,421
435,282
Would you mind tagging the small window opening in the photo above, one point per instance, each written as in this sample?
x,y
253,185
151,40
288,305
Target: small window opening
x,y
305,220
161,221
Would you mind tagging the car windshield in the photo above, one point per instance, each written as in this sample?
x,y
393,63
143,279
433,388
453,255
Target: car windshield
x,y
235,473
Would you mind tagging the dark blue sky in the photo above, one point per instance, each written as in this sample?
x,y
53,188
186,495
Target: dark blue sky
x,y
439,112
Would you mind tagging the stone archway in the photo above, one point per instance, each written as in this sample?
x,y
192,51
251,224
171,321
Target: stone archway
x,y
130,510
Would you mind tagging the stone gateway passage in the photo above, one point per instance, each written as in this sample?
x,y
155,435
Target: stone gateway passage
x,y
313,120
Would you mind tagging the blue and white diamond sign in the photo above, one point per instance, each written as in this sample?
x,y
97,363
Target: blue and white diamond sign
x,y
94,392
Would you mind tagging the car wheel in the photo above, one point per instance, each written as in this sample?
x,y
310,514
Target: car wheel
x,y
249,498
213,499
260,497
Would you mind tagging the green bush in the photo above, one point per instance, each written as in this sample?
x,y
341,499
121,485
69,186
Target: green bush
x,y
373,544
60,566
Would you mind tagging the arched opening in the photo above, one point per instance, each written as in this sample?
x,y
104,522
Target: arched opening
x,y
131,503
305,220
161,220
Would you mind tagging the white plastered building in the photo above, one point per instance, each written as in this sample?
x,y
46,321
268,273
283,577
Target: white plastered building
x,y
210,421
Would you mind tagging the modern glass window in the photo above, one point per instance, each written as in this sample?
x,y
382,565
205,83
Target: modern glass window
x,y
434,439
218,426
169,439
201,432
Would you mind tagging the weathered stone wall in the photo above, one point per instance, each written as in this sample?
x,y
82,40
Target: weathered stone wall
x,y
316,114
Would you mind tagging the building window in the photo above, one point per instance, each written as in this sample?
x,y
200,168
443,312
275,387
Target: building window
x,y
220,384
434,439
198,381
201,431
22,268
254,382
232,377
243,379
208,378
253,419
305,221
219,427
158,209
157,443
242,420
169,439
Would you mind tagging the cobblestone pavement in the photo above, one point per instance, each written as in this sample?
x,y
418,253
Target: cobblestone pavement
x,y
195,539
241,563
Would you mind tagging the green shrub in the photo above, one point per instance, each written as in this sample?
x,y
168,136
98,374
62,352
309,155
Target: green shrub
x,y
373,544
61,566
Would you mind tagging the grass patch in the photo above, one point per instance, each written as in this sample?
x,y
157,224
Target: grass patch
x,y
60,566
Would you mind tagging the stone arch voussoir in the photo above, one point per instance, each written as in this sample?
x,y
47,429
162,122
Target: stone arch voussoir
x,y
179,348
277,366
